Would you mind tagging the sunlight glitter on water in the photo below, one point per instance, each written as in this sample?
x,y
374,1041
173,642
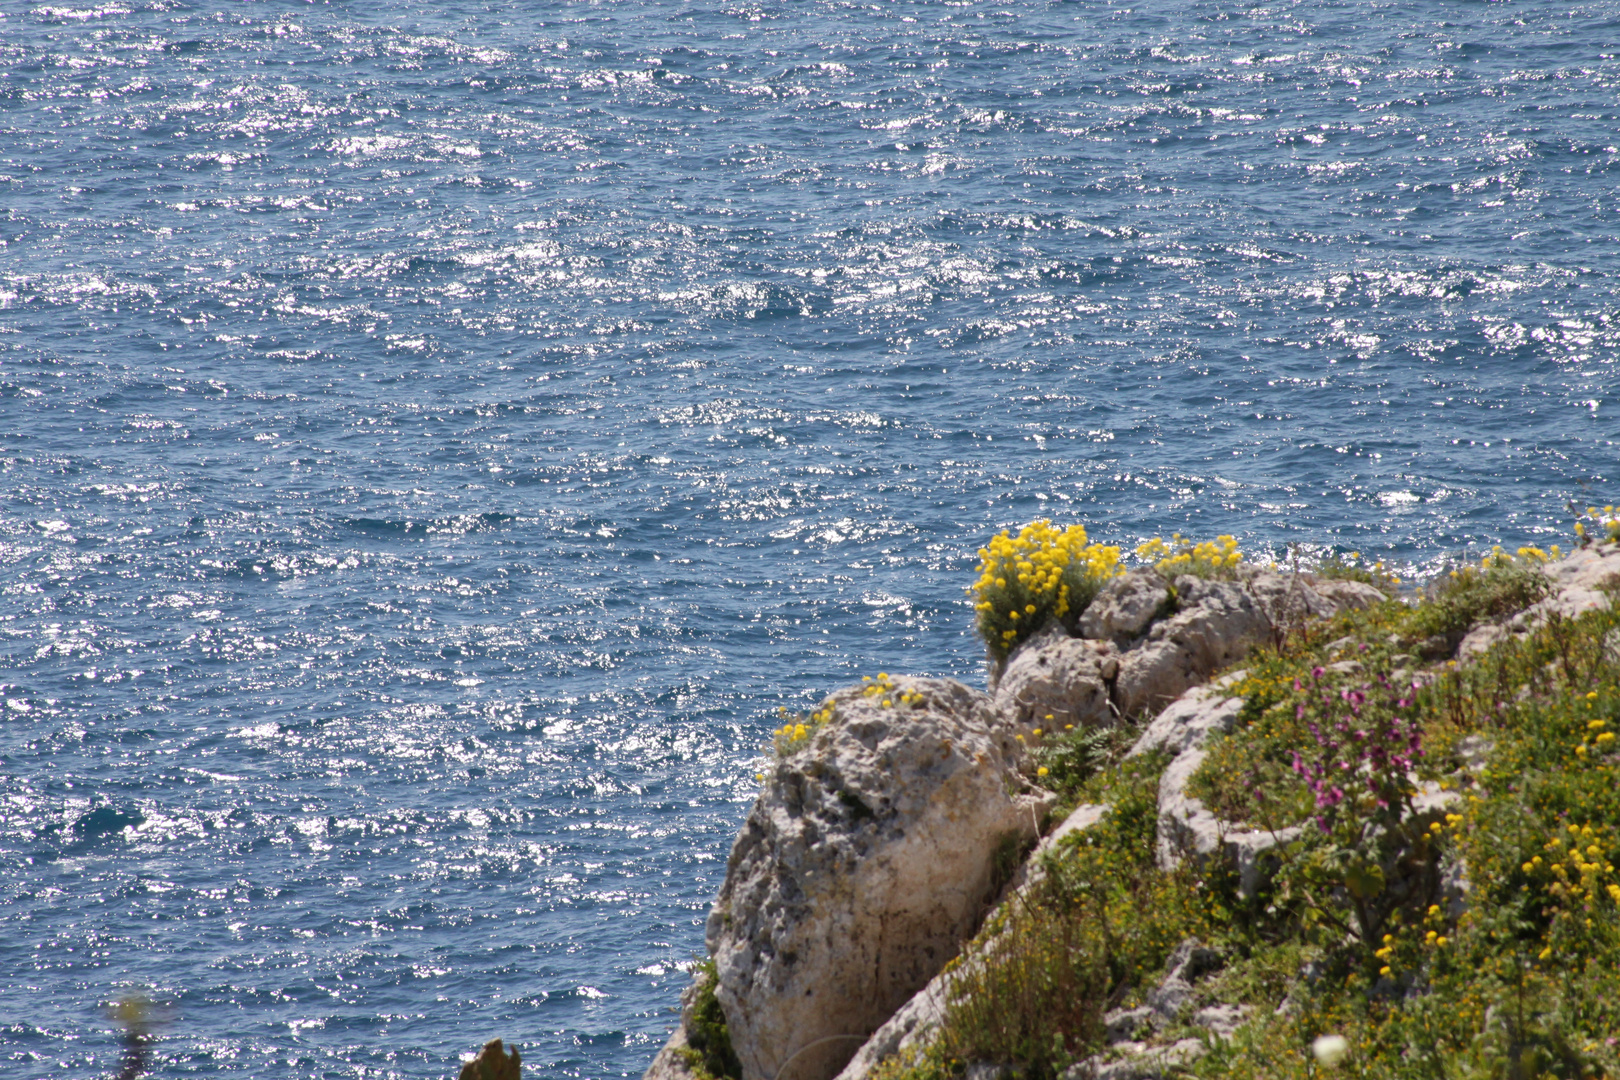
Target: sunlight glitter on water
x,y
435,444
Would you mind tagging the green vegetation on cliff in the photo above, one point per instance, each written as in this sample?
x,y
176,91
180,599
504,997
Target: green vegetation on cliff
x,y
1438,888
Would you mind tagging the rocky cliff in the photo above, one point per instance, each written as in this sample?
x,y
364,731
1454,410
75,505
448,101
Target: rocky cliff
x,y
879,845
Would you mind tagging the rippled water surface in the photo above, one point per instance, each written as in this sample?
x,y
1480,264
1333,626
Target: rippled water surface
x,y
436,437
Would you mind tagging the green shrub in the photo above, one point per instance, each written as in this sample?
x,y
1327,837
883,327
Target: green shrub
x,y
1352,567
1034,988
1499,586
1067,760
709,1054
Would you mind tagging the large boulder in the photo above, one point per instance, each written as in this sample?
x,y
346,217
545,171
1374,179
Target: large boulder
x,y
1064,681
867,861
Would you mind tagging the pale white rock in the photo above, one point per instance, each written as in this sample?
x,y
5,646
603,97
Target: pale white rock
x,y
1152,674
915,1021
1252,851
1576,581
1217,623
1167,1003
670,1064
1190,961
1214,623
1478,640
865,864
1187,828
1192,719
1137,1061
1287,599
909,1027
1066,681
1223,1020
1081,817
1348,595
1052,632
1125,607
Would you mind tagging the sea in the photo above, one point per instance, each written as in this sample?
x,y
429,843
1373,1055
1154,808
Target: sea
x,y
437,438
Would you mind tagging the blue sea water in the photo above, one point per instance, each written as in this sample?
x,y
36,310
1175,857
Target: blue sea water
x,y
437,437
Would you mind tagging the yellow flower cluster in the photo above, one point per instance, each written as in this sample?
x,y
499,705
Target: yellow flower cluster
x,y
887,694
1605,526
1499,557
1598,737
799,728
1434,938
1041,574
1576,865
1216,558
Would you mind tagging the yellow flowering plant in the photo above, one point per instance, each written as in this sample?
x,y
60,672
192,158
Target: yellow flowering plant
x,y
799,728
796,732
1598,527
1042,574
1216,558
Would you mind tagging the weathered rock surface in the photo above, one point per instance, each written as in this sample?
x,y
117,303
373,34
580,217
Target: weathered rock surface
x,y
916,1021
1217,623
670,1064
1191,720
1577,583
863,867
1187,828
1577,587
1348,595
1125,607
1066,681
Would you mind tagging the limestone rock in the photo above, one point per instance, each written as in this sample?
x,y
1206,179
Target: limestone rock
x,y
1288,599
1169,647
1124,607
865,864
1254,853
1066,681
670,1064
911,1026
1577,586
1348,595
1142,1063
1187,829
916,1021
1218,623
1577,581
1223,1020
1128,1059
1478,640
1191,720
1190,962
